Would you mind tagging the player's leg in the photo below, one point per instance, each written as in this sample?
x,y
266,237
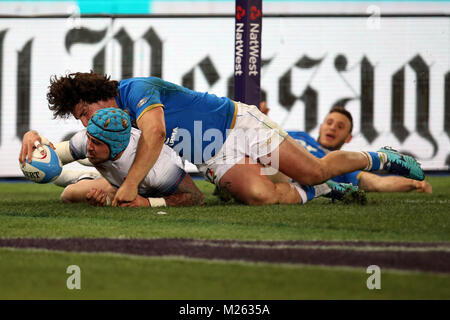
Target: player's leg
x,y
77,192
232,169
245,182
269,143
296,162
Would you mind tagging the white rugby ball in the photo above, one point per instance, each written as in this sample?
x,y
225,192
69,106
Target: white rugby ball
x,y
44,168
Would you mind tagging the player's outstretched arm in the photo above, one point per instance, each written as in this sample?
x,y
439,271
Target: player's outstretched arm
x,y
374,183
153,130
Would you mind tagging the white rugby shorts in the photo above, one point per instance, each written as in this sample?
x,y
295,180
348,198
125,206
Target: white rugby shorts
x,y
254,135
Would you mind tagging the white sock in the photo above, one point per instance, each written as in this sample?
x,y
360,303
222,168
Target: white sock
x,y
369,160
300,191
322,189
383,159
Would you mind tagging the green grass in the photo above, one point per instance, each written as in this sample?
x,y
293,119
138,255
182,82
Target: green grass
x,y
42,275
31,210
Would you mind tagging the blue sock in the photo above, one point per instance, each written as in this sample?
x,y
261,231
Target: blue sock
x,y
374,161
310,192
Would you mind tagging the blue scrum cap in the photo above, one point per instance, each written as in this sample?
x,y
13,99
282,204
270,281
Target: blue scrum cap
x,y
113,127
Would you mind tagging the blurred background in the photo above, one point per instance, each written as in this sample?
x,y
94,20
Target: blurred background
x,y
217,6
387,62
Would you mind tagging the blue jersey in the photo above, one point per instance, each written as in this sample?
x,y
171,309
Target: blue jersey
x,y
317,150
193,119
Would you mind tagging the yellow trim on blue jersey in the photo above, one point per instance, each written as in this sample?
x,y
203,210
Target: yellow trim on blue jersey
x,y
359,175
149,108
234,116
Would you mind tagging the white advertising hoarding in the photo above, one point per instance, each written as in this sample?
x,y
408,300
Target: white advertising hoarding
x,y
392,73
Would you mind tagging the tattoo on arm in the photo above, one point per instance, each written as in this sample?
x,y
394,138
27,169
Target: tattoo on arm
x,y
186,194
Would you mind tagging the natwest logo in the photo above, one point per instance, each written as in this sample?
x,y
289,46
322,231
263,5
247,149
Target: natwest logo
x,y
239,49
240,12
255,13
254,46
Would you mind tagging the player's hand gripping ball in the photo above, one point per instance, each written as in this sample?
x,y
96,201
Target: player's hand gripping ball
x,y
44,168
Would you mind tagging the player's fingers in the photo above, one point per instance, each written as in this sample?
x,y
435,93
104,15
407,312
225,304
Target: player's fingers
x,y
103,200
27,147
99,195
125,204
89,199
90,193
52,146
39,147
22,154
94,197
27,152
29,155
117,201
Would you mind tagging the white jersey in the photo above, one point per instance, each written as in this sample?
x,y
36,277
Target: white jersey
x,y
161,180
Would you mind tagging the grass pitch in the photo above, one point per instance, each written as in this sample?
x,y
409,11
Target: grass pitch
x,y
32,210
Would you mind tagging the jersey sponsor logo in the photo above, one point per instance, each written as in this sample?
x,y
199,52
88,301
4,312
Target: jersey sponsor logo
x,y
142,102
171,141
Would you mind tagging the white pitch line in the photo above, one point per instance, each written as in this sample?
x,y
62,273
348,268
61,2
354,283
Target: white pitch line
x,y
322,247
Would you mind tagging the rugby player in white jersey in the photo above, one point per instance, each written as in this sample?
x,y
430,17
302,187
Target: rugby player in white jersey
x,y
110,144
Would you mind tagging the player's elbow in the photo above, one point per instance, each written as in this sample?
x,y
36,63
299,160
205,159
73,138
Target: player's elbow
x,y
159,132
68,196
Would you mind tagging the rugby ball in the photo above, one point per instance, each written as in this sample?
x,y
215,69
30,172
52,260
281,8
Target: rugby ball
x,y
44,168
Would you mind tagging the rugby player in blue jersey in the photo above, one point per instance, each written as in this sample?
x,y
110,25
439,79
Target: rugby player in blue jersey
x,y
334,132
230,142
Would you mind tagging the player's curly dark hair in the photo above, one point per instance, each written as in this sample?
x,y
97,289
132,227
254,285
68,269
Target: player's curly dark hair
x,y
67,91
